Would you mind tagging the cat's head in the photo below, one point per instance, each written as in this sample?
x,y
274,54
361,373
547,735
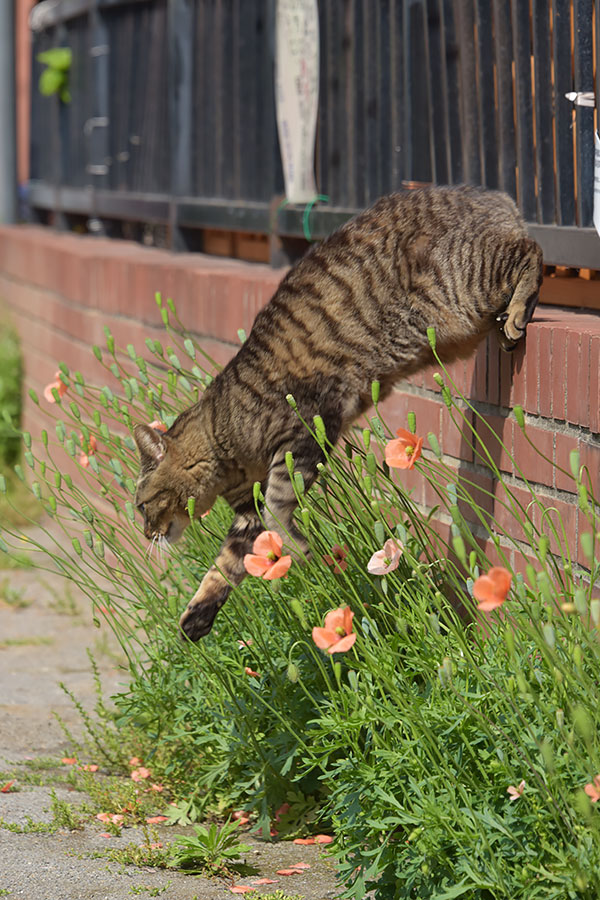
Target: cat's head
x,y
167,479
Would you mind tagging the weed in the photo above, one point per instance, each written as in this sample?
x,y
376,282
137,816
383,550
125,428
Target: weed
x,y
64,815
151,891
212,850
36,640
63,601
30,827
150,853
13,596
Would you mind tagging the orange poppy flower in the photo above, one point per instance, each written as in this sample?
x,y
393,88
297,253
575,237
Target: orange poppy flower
x,y
267,561
158,425
492,589
515,792
337,635
251,673
58,385
403,452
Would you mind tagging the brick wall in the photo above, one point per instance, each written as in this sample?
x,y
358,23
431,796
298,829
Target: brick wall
x,y
62,289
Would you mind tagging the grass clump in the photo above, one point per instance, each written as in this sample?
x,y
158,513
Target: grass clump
x,y
452,755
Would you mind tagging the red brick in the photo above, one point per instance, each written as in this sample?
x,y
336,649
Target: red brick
x,y
495,433
519,371
563,445
573,375
395,409
479,389
457,437
506,369
530,461
590,458
561,514
480,489
545,363
583,393
595,383
558,372
493,382
532,374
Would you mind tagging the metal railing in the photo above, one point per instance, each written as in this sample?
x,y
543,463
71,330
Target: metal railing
x,y
172,118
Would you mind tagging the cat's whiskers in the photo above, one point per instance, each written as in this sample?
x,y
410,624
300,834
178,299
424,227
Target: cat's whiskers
x,y
150,548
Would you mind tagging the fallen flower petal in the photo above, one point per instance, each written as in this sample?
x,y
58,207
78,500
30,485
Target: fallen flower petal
x,y
287,872
323,839
492,589
90,768
301,865
593,789
266,881
304,841
141,773
5,789
134,761
156,846
241,888
103,817
154,820
156,787
69,760
105,834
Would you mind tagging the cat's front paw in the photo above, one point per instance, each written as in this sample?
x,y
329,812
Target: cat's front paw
x,y
200,613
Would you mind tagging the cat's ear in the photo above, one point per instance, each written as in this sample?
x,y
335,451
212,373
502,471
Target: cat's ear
x,y
151,444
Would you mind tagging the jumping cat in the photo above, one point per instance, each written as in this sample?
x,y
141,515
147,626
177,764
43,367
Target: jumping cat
x,y
354,310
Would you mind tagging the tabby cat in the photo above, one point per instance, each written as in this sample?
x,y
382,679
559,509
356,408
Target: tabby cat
x,y
355,309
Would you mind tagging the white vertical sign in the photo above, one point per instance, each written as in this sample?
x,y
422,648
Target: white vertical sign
x,y
597,182
297,94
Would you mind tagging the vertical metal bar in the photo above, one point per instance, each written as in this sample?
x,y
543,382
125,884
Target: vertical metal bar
x,y
419,91
544,145
507,150
439,99
98,123
563,112
384,141
468,92
370,113
454,130
396,94
430,68
583,71
8,118
180,19
523,94
487,102
358,103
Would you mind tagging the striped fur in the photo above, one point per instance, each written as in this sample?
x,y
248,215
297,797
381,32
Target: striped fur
x,y
354,310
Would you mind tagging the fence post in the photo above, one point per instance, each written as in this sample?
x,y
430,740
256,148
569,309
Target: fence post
x,y
8,159
180,26
96,128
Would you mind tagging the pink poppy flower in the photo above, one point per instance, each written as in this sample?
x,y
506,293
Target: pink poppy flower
x,y
403,452
141,773
593,789
337,635
241,816
242,644
337,559
58,385
156,787
492,589
385,560
134,761
283,809
515,792
266,561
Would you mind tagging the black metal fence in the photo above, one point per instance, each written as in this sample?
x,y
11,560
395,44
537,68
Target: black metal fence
x,y
172,118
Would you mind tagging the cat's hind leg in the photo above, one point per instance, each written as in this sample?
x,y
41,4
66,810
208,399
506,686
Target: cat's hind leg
x,y
227,572
513,321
